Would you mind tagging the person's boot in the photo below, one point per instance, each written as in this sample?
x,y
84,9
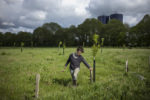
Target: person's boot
x,y
74,83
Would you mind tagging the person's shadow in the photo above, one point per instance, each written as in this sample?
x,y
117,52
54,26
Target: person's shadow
x,y
61,81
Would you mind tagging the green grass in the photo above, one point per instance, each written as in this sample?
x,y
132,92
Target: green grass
x,y
18,71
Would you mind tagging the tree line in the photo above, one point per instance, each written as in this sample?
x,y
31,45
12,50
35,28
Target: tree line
x,y
114,33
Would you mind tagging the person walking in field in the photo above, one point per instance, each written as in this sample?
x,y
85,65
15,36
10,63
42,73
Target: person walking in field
x,y
75,59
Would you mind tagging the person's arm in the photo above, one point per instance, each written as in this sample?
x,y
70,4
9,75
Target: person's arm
x,y
68,61
84,61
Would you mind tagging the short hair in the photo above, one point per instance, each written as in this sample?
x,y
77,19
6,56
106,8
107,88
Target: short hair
x,y
80,48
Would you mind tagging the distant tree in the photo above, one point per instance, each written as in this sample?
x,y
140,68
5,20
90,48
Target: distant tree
x,y
22,45
64,46
83,44
140,35
114,33
86,30
43,37
52,27
14,44
31,43
1,39
102,44
59,45
25,37
9,39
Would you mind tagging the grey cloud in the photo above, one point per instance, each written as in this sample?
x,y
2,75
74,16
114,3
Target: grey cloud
x,y
33,13
16,15
133,10
130,7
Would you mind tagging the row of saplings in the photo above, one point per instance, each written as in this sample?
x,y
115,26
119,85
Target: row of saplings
x,y
95,48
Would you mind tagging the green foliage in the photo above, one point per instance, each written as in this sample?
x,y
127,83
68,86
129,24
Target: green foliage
x,y
31,43
124,46
60,43
1,43
139,35
3,53
53,27
14,44
87,28
25,37
22,44
96,44
115,34
64,45
102,43
83,44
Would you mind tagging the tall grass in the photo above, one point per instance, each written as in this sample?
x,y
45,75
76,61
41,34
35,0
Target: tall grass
x,y
18,70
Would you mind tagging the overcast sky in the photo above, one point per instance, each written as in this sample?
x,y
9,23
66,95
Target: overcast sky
x,y
26,15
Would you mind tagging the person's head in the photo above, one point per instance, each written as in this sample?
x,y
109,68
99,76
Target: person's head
x,y
80,50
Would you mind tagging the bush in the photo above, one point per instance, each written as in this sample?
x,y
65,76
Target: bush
x,y
3,53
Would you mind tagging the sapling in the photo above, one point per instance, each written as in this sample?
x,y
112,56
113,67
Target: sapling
x,y
95,48
60,43
64,46
102,43
22,45
31,43
83,44
14,44
124,46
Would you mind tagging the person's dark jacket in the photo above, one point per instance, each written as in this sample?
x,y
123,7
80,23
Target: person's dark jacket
x,y
75,61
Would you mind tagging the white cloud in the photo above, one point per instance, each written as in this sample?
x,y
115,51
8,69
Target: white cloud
x,y
16,15
15,30
36,15
8,23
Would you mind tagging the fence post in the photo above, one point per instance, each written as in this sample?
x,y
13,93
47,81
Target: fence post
x,y
37,85
126,66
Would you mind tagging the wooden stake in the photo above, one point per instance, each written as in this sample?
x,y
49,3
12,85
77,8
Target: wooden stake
x,y
127,65
21,49
37,85
91,76
63,50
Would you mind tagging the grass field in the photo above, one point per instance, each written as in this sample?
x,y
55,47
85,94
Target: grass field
x,y
18,70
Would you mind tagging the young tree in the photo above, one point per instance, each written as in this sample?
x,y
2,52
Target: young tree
x,y
64,46
60,43
22,45
102,43
31,43
14,44
83,44
95,48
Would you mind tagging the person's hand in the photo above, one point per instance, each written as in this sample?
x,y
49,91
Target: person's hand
x,y
64,69
90,69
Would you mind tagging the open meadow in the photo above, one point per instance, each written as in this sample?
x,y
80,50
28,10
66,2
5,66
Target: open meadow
x,y
18,70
